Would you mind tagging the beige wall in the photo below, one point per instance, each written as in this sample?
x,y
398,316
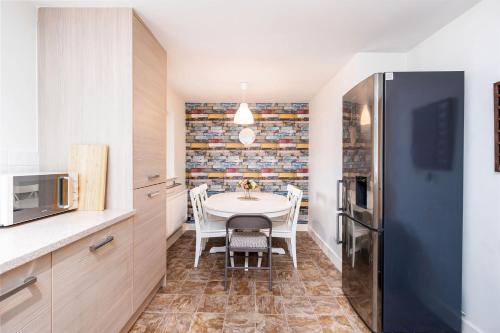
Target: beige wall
x,y
18,87
176,135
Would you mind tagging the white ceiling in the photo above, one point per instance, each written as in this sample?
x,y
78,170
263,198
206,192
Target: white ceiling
x,y
285,49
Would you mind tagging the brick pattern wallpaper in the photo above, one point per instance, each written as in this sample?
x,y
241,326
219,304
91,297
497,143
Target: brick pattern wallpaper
x,y
279,155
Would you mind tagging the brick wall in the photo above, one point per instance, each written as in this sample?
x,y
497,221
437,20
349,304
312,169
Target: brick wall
x,y
279,155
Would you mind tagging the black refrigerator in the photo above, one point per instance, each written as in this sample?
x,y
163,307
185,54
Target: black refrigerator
x,y
400,201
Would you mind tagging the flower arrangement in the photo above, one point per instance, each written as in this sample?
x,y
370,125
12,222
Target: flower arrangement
x,y
247,185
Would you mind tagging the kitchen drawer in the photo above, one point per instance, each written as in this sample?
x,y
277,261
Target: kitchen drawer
x,y
27,310
149,240
92,287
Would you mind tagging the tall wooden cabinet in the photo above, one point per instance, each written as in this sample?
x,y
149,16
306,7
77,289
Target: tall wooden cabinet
x,y
102,79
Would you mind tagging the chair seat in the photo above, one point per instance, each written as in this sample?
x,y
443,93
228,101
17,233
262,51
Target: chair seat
x,y
248,240
214,226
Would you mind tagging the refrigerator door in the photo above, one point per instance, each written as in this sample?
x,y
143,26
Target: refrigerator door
x,y
362,148
361,202
423,200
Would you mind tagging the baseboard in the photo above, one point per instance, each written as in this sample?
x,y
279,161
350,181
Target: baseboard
x,y
175,236
468,327
190,226
327,250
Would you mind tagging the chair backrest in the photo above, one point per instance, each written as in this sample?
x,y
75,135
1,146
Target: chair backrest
x,y
295,200
289,189
250,222
203,192
196,203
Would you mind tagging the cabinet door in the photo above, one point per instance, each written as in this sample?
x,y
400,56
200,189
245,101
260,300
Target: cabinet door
x,y
27,307
149,103
149,240
92,282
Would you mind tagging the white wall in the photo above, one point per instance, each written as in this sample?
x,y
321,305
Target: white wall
x,y
176,135
471,43
18,87
325,136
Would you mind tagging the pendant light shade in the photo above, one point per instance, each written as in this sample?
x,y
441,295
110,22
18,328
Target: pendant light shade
x,y
243,116
247,136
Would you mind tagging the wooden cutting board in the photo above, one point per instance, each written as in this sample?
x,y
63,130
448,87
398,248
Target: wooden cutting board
x,y
91,164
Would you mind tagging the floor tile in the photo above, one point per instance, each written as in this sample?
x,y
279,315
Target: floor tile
x,y
303,323
213,303
217,287
298,305
240,323
262,289
335,324
241,303
317,288
175,323
325,305
269,304
192,287
160,303
271,324
244,287
147,322
207,323
184,303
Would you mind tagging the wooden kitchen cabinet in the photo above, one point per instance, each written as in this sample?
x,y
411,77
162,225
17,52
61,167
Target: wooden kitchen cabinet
x,y
29,309
149,104
149,241
92,282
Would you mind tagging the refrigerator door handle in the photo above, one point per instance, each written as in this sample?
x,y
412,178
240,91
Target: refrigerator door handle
x,y
340,197
339,241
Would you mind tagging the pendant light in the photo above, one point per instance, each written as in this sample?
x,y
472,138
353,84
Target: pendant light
x,y
243,115
247,136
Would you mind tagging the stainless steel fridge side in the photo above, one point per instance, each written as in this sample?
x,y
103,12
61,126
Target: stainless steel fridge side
x,y
378,153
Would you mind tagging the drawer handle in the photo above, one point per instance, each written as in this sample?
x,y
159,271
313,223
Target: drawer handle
x,y
153,177
26,283
153,194
97,246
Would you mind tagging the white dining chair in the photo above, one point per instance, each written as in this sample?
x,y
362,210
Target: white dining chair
x,y
288,228
205,228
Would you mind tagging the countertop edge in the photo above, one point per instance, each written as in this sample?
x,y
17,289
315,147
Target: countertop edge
x,y
59,243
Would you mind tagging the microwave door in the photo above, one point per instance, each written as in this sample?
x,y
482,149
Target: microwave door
x,y
35,196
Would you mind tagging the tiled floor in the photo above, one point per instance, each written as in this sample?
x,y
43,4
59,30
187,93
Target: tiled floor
x,y
308,299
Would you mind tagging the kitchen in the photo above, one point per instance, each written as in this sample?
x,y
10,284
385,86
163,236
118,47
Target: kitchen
x,y
118,81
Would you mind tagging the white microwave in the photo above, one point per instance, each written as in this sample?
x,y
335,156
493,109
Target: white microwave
x,y
27,197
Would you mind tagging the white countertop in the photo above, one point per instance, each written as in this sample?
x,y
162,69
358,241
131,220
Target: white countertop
x,y
22,243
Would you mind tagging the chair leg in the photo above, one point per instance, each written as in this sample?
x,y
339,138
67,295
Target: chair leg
x,y
294,251
204,244
246,261
270,253
259,261
226,254
353,250
197,250
232,258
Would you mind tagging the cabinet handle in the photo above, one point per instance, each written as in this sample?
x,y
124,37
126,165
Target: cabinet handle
x,y
153,177
26,283
105,241
153,194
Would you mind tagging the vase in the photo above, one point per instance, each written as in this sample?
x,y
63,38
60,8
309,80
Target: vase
x,y
247,194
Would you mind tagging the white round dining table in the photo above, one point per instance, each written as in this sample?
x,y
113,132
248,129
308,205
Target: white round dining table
x,y
230,203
